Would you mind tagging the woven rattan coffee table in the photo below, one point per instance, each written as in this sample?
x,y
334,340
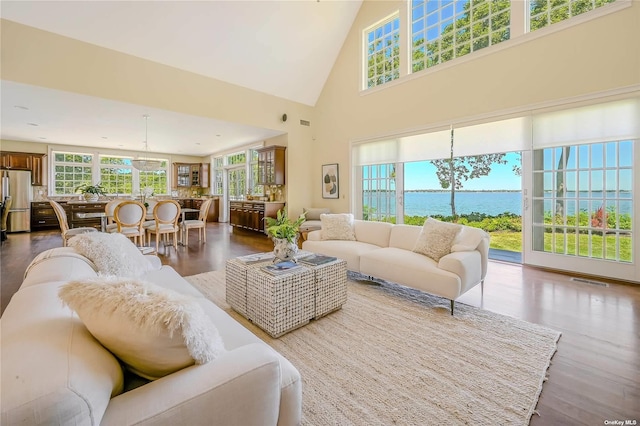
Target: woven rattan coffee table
x,y
281,303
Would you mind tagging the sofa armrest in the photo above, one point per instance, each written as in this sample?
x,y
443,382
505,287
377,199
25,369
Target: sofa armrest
x,y
314,235
154,261
465,264
240,388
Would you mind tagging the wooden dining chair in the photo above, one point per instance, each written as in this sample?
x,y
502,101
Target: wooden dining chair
x,y
200,224
165,222
66,232
129,217
109,210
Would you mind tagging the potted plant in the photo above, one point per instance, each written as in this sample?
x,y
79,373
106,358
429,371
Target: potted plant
x,y
284,233
91,192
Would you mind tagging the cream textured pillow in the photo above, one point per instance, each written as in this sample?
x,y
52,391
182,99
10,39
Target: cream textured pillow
x,y
113,254
154,331
436,238
337,226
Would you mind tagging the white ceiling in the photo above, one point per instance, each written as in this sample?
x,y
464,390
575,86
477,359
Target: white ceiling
x,y
283,48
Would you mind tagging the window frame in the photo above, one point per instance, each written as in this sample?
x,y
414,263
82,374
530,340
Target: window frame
x,y
519,34
96,167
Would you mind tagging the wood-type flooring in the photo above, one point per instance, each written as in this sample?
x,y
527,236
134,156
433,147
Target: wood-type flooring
x,y
594,377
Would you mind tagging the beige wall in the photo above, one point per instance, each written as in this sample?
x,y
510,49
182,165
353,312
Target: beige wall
x,y
40,58
595,56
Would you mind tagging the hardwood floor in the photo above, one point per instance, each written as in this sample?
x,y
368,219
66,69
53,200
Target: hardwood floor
x,y
594,376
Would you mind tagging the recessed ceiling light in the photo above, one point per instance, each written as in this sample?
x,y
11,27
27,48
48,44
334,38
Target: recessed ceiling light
x,y
42,138
120,145
32,124
197,143
218,135
104,137
20,107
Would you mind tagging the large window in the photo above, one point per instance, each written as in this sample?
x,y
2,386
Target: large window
x,y
442,30
115,173
583,200
156,180
70,170
218,176
543,13
438,31
383,52
379,192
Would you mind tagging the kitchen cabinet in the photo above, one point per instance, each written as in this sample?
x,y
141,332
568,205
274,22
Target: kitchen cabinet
x,y
250,214
24,161
186,175
16,160
43,216
271,165
37,169
74,207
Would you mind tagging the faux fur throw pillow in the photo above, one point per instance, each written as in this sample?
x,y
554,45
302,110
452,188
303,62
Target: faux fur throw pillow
x,y
337,226
154,331
436,238
113,254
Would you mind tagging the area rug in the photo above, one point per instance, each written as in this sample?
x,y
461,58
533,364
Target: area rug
x,y
393,355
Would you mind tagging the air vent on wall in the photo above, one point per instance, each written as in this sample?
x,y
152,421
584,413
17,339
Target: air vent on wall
x,y
592,282
305,123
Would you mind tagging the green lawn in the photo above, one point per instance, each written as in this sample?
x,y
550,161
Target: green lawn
x,y
512,241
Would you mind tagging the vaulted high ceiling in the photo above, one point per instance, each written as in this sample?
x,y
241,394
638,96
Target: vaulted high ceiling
x,y
282,48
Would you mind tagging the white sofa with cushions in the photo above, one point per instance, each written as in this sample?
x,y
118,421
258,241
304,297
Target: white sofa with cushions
x,y
312,218
55,372
438,258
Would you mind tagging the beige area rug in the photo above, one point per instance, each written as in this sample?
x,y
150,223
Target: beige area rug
x,y
393,355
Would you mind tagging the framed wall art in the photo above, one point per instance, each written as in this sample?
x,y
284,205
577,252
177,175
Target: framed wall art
x,y
330,181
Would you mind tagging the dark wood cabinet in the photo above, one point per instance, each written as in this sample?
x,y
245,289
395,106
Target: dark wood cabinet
x,y
186,175
16,160
250,215
37,169
271,165
24,161
43,216
74,207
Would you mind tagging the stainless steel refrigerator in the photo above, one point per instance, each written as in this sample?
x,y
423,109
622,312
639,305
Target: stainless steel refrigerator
x,y
17,185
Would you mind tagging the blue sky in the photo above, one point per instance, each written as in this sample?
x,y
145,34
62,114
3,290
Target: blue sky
x,y
422,175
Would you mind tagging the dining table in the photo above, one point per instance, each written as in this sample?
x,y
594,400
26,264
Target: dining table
x,y
92,215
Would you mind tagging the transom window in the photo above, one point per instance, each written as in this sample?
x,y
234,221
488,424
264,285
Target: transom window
x,y
383,52
442,30
543,13
438,31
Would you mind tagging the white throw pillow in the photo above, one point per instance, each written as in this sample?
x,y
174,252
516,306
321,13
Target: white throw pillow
x,y
113,254
468,239
436,238
154,331
338,226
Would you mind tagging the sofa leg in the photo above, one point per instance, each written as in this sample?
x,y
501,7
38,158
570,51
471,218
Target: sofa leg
x,y
452,306
482,287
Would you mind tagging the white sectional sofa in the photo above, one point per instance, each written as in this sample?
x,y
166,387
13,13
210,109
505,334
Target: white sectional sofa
x,y
54,372
383,250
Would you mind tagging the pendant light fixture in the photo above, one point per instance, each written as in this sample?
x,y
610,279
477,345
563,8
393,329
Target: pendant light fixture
x,y
145,164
